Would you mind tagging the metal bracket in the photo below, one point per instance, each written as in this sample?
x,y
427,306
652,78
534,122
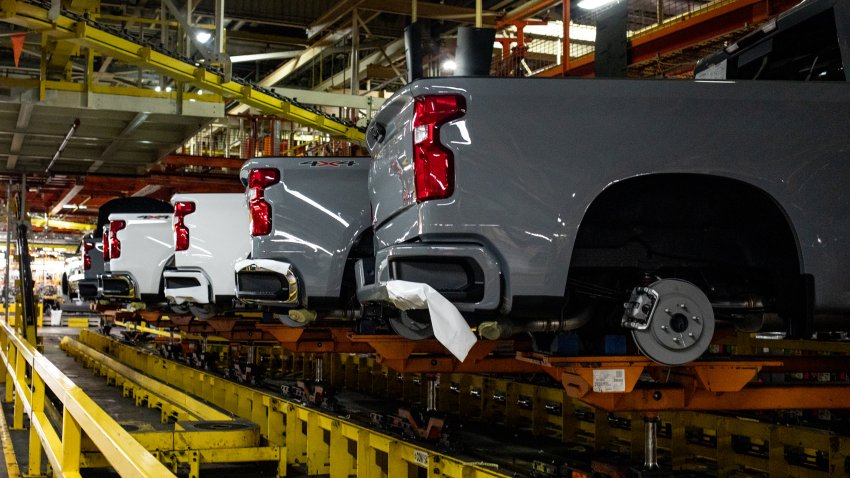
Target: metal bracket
x,y
640,308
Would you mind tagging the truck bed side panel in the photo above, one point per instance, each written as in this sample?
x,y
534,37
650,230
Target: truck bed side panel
x,y
532,154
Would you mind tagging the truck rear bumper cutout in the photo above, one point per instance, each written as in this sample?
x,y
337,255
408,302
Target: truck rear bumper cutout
x,y
266,282
117,286
183,286
465,274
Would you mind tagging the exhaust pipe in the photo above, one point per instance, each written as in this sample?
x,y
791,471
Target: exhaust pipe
x,y
413,51
474,51
503,327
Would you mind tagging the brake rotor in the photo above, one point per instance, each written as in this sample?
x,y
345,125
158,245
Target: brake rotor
x,y
413,326
681,326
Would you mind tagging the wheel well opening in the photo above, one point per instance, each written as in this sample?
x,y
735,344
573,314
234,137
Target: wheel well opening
x,y
729,238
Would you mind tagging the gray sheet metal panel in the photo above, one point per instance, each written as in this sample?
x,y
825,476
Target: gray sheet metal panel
x,y
532,154
320,208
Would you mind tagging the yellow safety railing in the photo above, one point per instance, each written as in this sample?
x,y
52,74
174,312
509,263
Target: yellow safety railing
x,y
328,444
28,375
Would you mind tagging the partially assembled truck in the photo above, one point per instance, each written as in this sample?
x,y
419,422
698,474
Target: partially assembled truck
x,y
310,222
655,207
92,245
137,246
211,234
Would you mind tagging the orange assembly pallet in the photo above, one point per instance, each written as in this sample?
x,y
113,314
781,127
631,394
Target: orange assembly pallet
x,y
612,383
429,356
641,385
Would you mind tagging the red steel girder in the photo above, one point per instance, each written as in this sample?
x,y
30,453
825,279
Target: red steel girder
x,y
205,161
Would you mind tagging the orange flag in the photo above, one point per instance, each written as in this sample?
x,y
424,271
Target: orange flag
x,y
18,46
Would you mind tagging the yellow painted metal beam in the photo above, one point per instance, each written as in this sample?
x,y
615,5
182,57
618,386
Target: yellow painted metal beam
x,y
59,224
303,428
84,34
80,415
194,408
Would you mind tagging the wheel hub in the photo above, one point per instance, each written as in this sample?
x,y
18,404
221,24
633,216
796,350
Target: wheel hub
x,y
672,321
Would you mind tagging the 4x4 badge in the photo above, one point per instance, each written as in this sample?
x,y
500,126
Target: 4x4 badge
x,y
328,164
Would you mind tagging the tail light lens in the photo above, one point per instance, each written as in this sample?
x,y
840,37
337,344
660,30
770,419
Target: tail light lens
x,y
261,211
433,163
114,243
181,232
106,244
87,246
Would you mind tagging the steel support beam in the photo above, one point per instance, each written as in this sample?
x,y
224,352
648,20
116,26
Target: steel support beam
x,y
322,98
339,79
64,28
134,124
71,194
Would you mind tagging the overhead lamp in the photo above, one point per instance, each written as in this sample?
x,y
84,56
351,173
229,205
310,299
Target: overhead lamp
x,y
449,65
74,206
168,89
158,89
594,4
203,36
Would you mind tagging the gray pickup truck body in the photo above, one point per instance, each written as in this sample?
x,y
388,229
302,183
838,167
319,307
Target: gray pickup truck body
x,y
91,247
320,223
593,178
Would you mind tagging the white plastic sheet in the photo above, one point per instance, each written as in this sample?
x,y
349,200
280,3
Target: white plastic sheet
x,y
450,328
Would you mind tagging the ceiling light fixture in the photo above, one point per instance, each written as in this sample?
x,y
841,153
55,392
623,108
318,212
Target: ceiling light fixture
x,y
203,36
594,4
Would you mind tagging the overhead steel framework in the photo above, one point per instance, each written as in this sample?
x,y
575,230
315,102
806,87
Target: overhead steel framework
x,y
83,31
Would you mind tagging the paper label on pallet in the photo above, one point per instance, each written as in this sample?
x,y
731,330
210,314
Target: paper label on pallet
x,y
420,458
610,380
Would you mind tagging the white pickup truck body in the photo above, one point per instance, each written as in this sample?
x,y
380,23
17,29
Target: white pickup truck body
x,y
216,236
144,245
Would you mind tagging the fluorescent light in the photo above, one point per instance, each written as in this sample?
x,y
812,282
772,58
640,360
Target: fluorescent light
x,y
593,4
449,65
74,206
203,36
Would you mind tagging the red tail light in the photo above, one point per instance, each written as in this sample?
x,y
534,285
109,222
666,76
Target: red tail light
x,y
106,244
433,163
261,211
114,243
181,232
87,246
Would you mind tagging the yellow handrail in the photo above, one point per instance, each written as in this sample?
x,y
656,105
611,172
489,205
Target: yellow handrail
x,y
80,415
